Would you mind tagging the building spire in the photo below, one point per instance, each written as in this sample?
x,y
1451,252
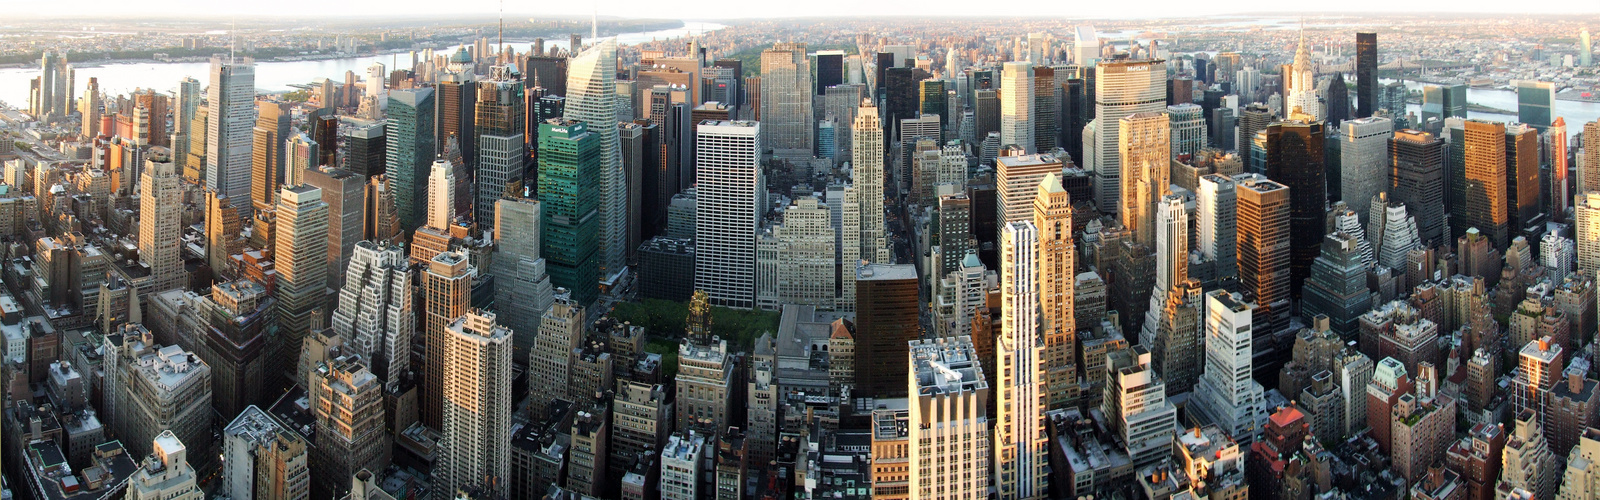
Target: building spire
x,y
594,24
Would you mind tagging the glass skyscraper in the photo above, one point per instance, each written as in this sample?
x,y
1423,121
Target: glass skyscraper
x,y
409,146
569,161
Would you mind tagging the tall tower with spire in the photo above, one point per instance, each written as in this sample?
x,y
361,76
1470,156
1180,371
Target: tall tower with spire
x,y
1303,85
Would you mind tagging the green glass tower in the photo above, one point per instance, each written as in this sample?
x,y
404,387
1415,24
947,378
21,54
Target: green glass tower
x,y
569,164
935,100
410,148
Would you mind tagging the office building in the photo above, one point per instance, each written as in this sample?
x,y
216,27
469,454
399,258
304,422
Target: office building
x,y
1535,101
1121,88
867,172
786,99
1226,395
476,437
704,386
1017,180
301,261
1188,128
230,112
1527,463
1016,106
1337,287
155,389
1300,94
569,160
408,152
1441,102
1366,74
1136,407
267,152
1052,216
348,402
795,260
1416,179
1484,156
1295,159
592,98
500,127
551,356
1146,152
729,205
375,314
682,465
522,282
1020,461
1216,227
366,149
160,232
1363,165
263,459
165,474
886,318
1264,255
948,395
1523,188
446,295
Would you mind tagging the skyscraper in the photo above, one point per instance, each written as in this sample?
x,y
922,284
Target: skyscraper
x,y
1416,160
1523,183
1485,204
1020,454
592,98
1052,215
343,191
1585,49
375,316
1337,287
948,395
1121,88
1440,102
476,437
1136,406
1145,146
500,126
1045,111
347,401
457,97
446,295
1294,158
1301,95
266,153
301,261
1535,101
866,156
1589,163
550,356
1363,143
519,265
1188,128
886,318
1264,255
409,144
786,98
1366,74
186,137
569,223
728,210
1586,211
160,224
1216,238
264,459
230,101
1226,393
1016,105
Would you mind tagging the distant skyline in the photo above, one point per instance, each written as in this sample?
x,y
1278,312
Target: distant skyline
x,y
736,9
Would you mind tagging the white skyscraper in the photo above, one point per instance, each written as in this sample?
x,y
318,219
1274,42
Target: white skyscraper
x,y
441,194
948,431
592,98
1364,161
728,211
1016,106
160,224
1587,210
1172,259
1122,88
1020,454
866,164
1188,128
375,314
1226,394
1399,237
786,104
1216,210
230,116
476,443
1085,46
1557,254
1303,87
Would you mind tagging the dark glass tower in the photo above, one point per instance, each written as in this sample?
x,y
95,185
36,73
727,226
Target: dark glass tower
x,y
569,197
499,127
932,98
1294,158
456,96
901,99
410,152
1416,179
1338,286
1046,126
1075,110
830,70
1338,100
1366,74
1522,180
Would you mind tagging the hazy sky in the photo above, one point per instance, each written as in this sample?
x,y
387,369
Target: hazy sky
x,y
722,9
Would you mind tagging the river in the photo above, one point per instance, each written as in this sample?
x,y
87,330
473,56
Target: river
x,y
271,76
1577,113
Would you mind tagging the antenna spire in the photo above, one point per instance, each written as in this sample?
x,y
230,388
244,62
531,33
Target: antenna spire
x,y
502,40
594,24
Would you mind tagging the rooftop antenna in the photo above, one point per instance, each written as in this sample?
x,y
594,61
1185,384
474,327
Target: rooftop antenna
x,y
233,27
594,24
502,40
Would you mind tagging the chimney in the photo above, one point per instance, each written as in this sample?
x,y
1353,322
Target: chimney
x,y
1575,381
1320,323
